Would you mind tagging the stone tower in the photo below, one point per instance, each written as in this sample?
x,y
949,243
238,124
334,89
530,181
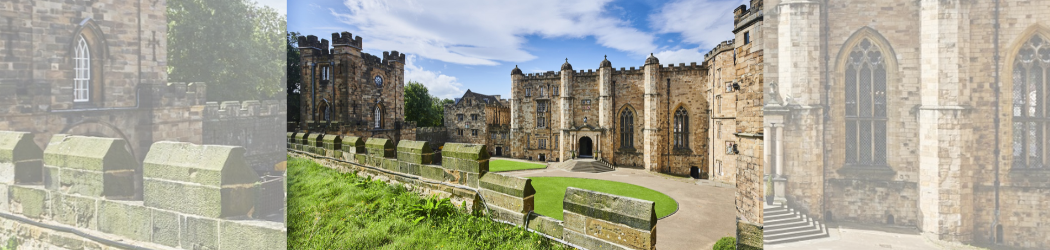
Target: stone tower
x,y
654,116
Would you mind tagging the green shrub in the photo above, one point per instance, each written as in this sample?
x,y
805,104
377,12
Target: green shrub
x,y
725,243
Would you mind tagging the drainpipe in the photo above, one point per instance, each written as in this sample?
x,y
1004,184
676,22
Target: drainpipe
x,y
998,84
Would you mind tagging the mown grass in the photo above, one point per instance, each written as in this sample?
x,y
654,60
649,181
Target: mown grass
x,y
550,191
332,210
506,165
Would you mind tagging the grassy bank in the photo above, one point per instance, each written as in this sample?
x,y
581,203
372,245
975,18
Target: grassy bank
x,y
332,210
507,165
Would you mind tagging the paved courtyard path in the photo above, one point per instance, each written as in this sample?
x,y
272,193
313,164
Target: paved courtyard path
x,y
706,211
862,237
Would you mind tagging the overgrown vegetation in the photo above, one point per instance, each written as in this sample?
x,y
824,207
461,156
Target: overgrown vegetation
x,y
725,243
332,210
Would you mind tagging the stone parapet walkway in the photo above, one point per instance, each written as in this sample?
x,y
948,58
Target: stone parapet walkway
x,y
706,212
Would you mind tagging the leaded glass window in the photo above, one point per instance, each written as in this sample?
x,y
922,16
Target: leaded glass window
x,y
1030,112
865,105
82,80
681,126
627,129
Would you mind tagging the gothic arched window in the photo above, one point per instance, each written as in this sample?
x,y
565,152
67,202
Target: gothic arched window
x,y
378,116
865,105
1031,118
681,128
82,68
627,129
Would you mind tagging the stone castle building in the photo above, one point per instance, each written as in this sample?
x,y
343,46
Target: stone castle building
x,y
925,114
99,68
480,119
346,91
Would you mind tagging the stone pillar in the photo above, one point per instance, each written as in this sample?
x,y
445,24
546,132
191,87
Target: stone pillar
x,y
565,113
606,111
943,174
515,108
654,116
800,87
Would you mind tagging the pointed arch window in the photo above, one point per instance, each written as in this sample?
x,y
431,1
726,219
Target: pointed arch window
x,y
1031,115
82,69
378,112
627,129
681,126
865,79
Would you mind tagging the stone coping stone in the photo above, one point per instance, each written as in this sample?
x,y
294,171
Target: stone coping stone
x,y
467,165
516,204
18,146
510,185
302,138
91,166
204,180
291,136
635,213
209,165
88,153
418,152
353,144
380,147
333,142
21,161
237,234
465,151
315,140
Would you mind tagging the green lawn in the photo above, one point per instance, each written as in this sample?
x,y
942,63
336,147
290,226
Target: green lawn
x,y
507,165
328,209
550,191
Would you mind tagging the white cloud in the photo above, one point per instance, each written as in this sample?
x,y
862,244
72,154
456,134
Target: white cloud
x,y
439,85
705,23
280,5
681,56
488,31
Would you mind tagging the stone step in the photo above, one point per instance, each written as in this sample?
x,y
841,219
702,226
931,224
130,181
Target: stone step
x,y
784,235
794,239
776,216
794,228
794,223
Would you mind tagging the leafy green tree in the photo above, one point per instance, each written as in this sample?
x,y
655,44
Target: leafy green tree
x,y
234,46
419,105
294,76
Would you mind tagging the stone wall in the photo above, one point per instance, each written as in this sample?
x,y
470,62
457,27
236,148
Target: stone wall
x,y
593,220
253,125
183,196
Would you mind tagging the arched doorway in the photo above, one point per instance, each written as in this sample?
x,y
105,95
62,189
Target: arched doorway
x,y
585,147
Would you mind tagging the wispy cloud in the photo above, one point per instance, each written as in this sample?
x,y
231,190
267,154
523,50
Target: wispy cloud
x,y
488,32
705,23
438,84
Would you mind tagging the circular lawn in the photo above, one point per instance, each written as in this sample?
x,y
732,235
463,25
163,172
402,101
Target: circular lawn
x,y
550,191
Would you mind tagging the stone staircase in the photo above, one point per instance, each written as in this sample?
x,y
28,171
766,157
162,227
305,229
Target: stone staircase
x,y
585,165
784,225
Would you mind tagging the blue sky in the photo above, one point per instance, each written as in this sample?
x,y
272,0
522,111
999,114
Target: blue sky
x,y
457,45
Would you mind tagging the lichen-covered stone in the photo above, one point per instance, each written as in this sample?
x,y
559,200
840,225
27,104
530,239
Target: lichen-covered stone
x,y
235,234
546,225
30,202
510,185
211,181
418,152
636,213
380,147
353,145
90,166
20,159
125,218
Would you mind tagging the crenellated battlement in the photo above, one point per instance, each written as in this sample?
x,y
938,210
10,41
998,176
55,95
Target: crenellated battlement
x,y
721,47
346,39
393,56
249,108
177,94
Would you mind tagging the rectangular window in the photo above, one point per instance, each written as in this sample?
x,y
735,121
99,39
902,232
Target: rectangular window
x,y
474,132
555,90
528,92
541,122
747,37
542,143
460,132
473,117
459,117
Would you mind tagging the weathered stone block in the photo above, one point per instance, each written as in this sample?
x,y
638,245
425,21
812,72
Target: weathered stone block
x,y
418,152
546,225
332,142
636,213
211,181
408,168
199,233
516,204
380,147
353,145
291,139
500,213
20,159
468,165
432,172
125,218
33,202
510,185
77,211
91,166
315,140
361,158
166,227
588,242
465,151
252,235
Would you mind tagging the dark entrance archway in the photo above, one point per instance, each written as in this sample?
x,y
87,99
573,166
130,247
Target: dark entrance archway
x,y
499,151
586,147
